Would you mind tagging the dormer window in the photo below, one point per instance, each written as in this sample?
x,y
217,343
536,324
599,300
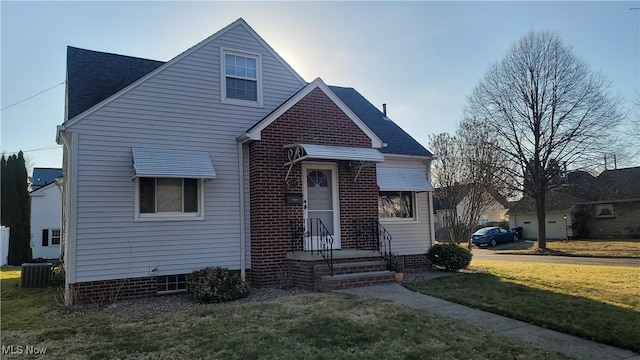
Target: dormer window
x,y
241,81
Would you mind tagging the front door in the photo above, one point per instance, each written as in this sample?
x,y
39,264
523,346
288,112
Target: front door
x,y
320,191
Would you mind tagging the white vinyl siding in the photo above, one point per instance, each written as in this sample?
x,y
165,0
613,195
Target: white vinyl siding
x,y
179,108
410,236
46,214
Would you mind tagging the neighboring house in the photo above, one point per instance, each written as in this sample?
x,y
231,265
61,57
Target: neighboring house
x,y
611,201
44,176
224,156
46,213
495,213
614,208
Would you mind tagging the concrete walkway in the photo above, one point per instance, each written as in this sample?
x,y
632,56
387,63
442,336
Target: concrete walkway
x,y
541,337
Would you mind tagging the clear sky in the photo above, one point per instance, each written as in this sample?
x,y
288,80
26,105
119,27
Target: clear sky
x,y
421,58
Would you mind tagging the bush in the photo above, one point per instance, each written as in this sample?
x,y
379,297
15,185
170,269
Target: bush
x,y
57,276
216,285
449,256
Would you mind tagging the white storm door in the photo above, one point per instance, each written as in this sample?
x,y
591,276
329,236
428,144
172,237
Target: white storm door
x,y
320,192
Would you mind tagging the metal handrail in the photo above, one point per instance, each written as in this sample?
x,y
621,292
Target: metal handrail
x,y
371,235
305,231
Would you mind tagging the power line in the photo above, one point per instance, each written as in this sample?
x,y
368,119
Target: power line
x,y
50,147
32,96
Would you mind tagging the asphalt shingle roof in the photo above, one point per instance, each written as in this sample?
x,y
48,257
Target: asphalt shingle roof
x,y
610,185
397,140
93,76
44,176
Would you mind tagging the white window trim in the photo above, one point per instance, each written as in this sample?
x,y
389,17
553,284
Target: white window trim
x,y
600,207
402,220
51,237
138,217
223,78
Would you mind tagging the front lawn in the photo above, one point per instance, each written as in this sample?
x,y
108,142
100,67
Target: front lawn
x,y
600,303
629,248
311,326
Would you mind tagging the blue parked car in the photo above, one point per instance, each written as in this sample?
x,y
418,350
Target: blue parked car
x,y
491,236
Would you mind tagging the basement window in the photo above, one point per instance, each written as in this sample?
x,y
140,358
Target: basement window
x,y
171,284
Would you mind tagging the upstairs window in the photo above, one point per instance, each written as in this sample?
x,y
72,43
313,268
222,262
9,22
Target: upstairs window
x,y
241,78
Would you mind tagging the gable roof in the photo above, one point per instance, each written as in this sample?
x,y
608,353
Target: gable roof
x,y
619,184
129,71
254,132
94,77
38,192
581,187
397,140
44,176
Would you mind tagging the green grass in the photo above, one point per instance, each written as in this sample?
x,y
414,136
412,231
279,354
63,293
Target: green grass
x,y
629,248
312,326
600,303
26,307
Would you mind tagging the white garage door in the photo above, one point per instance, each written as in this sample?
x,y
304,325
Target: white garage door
x,y
529,223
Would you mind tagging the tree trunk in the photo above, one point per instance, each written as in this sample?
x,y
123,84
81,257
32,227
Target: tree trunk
x,y
542,228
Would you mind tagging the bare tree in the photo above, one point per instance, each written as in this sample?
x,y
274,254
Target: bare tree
x,y
545,107
463,172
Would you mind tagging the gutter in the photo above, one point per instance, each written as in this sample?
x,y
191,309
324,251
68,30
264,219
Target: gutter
x,y
60,140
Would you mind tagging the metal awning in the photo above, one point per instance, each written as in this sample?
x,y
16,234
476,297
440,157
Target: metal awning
x,y
300,152
405,179
165,163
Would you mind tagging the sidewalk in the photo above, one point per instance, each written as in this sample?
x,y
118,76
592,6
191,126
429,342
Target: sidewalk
x,y
541,337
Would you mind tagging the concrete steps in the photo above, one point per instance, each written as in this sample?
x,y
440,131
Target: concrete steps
x,y
352,280
352,273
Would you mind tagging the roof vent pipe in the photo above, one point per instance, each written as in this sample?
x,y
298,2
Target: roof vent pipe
x,y
384,109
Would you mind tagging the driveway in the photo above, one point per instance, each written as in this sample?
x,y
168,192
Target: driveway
x,y
490,254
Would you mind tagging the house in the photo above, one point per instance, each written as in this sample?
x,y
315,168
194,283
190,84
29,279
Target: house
x,y
613,208
224,156
46,213
43,176
610,204
495,213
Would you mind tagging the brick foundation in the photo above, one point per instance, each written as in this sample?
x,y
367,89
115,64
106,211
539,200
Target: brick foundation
x,y
417,261
106,291
315,119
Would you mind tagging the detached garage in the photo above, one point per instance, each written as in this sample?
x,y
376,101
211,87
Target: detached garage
x,y
556,227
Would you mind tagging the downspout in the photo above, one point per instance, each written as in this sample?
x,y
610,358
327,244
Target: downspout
x,y
243,255
432,227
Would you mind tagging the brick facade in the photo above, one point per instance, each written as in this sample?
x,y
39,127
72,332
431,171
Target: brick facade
x,y
625,222
106,291
315,119
417,261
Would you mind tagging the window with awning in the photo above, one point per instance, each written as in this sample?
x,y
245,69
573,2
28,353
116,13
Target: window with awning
x,y
149,162
169,184
402,179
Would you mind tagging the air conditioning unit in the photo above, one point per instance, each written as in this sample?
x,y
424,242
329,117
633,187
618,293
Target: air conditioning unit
x,y
36,275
